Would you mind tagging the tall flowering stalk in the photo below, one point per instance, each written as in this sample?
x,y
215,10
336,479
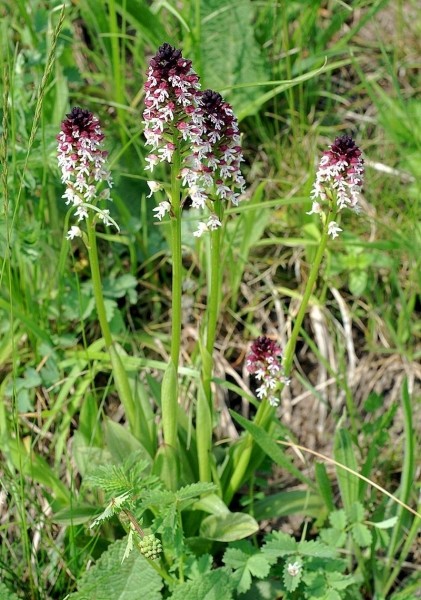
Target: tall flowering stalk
x,y
82,160
170,92
338,183
197,133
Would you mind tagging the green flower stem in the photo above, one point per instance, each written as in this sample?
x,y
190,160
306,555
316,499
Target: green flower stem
x,y
160,570
265,411
176,259
204,401
120,376
214,297
169,400
244,451
314,271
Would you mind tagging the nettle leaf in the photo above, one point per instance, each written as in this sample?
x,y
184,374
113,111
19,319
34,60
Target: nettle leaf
x,y
264,590
110,579
216,585
246,561
361,534
158,498
190,493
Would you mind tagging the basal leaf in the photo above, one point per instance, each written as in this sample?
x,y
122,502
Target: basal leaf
x,y
270,447
228,527
288,503
344,454
121,443
229,53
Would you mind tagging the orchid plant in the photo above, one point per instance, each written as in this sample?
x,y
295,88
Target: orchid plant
x,y
197,134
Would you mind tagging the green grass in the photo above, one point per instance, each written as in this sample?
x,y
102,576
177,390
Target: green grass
x,y
297,74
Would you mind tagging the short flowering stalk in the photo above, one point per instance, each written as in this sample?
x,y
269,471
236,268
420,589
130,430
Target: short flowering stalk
x,y
82,160
338,183
266,409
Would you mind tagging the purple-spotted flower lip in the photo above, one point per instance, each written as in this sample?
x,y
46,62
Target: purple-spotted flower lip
x,y
264,361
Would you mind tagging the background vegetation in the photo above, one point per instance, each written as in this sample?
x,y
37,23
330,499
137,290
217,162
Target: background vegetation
x,y
298,73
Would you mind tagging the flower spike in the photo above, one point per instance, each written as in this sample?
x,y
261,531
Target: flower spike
x,y
83,163
339,180
264,361
213,167
170,89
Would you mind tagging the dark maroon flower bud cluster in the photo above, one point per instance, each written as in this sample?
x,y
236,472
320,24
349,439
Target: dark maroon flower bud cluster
x,y
83,161
264,361
171,89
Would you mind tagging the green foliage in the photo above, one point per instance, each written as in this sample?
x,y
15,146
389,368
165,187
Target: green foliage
x,y
297,74
6,594
246,562
226,36
215,585
111,578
